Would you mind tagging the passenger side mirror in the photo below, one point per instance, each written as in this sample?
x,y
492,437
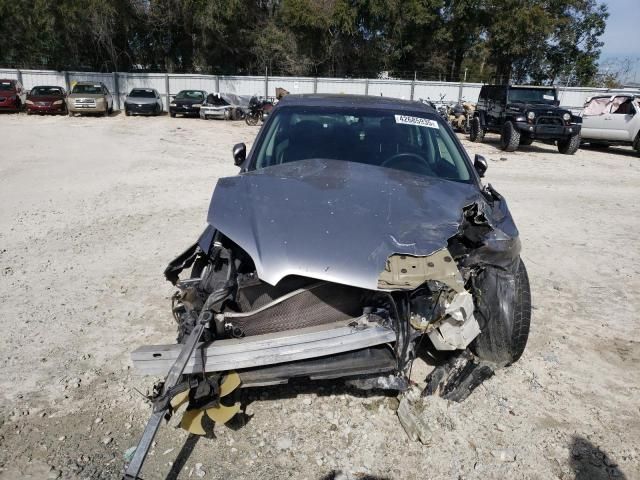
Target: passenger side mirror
x,y
239,154
480,164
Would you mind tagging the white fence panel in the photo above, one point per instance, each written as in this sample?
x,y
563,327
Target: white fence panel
x,y
390,88
291,84
341,85
437,91
32,78
242,85
192,82
8,74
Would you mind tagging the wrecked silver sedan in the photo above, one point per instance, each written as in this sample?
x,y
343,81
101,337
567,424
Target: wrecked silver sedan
x,y
357,230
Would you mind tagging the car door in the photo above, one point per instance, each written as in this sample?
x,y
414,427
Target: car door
x,y
619,119
594,125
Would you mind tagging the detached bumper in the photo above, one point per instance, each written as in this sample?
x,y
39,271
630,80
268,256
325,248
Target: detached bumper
x,y
549,131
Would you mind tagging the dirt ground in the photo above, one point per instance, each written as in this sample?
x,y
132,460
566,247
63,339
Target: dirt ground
x,y
91,211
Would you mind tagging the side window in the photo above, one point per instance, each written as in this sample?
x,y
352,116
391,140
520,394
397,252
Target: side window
x,y
622,106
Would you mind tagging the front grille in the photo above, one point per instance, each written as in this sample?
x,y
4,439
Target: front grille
x,y
85,102
318,304
549,121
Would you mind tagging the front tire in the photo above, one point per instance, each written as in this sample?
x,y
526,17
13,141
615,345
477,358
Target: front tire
x,y
569,146
476,133
503,310
510,138
251,119
172,114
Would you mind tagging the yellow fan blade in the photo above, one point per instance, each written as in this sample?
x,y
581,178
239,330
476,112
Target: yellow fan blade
x,y
229,384
223,414
192,422
179,399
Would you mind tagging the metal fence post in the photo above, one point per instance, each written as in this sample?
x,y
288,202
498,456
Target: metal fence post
x,y
366,86
19,76
116,88
166,89
266,82
413,88
315,84
217,84
67,84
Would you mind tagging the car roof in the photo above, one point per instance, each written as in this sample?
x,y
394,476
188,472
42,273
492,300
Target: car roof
x,y
87,82
46,86
358,101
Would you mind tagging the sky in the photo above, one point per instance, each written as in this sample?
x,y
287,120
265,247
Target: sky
x,y
622,35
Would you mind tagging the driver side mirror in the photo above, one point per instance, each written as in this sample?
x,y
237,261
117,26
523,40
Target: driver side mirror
x,y
480,164
239,154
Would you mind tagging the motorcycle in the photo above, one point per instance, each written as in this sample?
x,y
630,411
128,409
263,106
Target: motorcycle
x,y
258,110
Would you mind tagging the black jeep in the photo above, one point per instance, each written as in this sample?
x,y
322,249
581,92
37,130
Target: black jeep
x,y
524,114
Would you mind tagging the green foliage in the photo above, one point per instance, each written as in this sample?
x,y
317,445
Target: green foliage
x,y
541,41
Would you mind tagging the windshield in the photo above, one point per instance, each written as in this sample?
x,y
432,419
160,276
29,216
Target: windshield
x,y
6,86
88,89
44,91
190,95
533,95
418,143
142,93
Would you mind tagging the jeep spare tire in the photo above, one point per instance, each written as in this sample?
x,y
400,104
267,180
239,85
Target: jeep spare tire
x,y
510,138
476,133
569,146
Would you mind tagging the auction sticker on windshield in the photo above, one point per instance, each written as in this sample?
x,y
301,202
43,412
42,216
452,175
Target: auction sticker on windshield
x,y
423,122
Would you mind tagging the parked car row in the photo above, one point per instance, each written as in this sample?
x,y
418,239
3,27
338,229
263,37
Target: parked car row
x,y
95,98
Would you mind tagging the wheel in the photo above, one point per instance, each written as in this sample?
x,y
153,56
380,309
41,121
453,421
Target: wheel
x,y
476,133
526,140
510,138
503,310
69,112
127,112
110,109
251,119
636,143
173,115
569,146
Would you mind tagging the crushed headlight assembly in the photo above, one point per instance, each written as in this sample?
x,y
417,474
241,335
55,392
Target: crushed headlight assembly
x,y
58,102
566,117
29,102
172,105
196,105
531,115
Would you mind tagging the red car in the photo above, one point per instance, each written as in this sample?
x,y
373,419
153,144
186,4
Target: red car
x,y
45,99
12,95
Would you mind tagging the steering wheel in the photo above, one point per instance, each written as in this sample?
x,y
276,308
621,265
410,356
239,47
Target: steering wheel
x,y
408,159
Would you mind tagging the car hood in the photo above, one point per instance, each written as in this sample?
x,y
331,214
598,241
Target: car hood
x,y
539,109
335,220
45,98
187,101
86,95
141,100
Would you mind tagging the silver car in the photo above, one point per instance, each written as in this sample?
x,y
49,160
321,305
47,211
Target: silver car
x,y
143,101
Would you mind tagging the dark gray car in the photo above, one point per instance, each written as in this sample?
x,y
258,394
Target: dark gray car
x,y
357,235
145,101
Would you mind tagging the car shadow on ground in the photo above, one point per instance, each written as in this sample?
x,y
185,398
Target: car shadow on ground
x,y
625,152
590,463
338,475
533,148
